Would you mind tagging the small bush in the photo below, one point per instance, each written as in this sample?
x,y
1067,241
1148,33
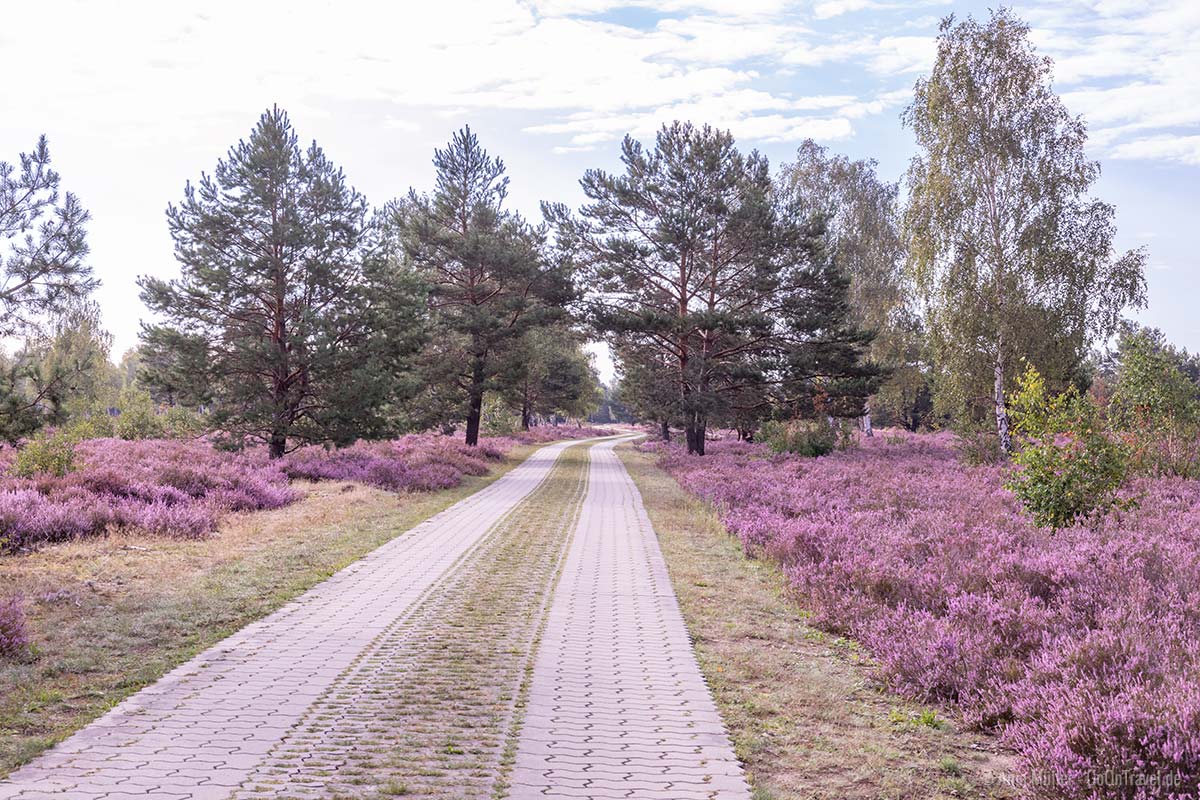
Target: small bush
x,y
14,637
138,418
46,454
978,444
95,425
810,438
1068,467
182,423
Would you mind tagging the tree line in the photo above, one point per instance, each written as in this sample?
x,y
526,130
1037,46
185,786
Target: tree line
x,y
732,295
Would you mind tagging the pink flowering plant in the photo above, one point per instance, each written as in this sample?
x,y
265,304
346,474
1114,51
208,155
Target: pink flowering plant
x,y
1080,646
14,635
58,487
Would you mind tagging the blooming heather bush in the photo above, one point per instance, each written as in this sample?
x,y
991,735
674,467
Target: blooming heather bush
x,y
170,487
419,462
181,488
1082,647
542,434
14,637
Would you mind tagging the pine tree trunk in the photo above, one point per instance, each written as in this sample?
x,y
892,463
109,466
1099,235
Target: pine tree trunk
x,y
1002,433
475,410
695,434
665,431
473,416
278,443
866,423
525,417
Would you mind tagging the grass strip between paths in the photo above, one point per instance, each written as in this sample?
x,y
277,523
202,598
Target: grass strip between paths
x,y
432,707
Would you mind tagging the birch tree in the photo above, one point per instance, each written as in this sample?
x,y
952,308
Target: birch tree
x,y
1011,257
861,214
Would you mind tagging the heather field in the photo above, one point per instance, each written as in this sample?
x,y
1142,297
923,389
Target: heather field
x,y
1078,647
181,488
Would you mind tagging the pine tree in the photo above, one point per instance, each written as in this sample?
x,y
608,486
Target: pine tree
x,y
488,274
696,261
551,376
43,245
43,273
274,316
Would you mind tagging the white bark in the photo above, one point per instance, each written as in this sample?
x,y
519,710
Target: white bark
x,y
1001,408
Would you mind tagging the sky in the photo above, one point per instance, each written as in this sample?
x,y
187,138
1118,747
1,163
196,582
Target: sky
x,y
137,98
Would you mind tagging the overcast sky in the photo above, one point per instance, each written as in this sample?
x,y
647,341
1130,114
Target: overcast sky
x,y
139,97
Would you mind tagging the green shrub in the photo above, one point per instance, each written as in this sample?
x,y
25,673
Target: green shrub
x,y
1157,408
497,419
182,423
46,454
1068,467
138,418
95,425
801,436
978,443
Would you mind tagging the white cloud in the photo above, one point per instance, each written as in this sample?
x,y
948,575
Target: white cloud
x,y
401,124
1129,66
164,69
835,8
1183,149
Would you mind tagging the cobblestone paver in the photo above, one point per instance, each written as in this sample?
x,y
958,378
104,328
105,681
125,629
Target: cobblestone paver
x,y
199,731
524,643
429,707
617,706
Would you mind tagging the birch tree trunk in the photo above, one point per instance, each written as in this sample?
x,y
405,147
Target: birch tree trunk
x,y
1001,408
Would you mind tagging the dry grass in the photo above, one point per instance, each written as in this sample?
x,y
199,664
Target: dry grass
x,y
804,715
111,615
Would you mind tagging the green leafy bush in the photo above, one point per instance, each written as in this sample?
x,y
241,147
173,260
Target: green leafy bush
x,y
803,437
182,423
95,425
138,418
978,444
1157,408
46,454
1068,467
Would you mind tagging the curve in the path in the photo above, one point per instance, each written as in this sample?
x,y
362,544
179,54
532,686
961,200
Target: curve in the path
x,y
200,730
617,706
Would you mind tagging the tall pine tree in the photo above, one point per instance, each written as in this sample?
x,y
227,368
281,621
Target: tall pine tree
x,y
488,273
274,315
43,274
697,262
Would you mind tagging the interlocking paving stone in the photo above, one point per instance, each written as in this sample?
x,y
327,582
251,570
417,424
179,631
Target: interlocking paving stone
x,y
418,670
617,706
429,708
203,727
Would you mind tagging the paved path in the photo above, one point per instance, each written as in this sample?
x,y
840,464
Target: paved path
x,y
617,705
523,643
